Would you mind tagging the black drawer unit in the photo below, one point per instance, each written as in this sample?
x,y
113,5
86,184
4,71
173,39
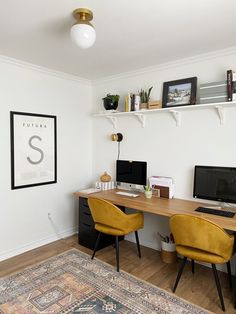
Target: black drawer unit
x,y
87,233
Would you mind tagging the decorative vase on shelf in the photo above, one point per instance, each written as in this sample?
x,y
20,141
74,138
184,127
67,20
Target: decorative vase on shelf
x,y
105,177
110,102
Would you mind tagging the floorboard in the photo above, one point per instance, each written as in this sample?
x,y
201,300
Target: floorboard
x,y
198,288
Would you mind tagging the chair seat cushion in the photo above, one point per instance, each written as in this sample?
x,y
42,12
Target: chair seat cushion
x,y
200,255
132,223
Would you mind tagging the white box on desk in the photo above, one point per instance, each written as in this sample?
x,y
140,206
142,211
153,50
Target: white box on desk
x,y
105,185
164,182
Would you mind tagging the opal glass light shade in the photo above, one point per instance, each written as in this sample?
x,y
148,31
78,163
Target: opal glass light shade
x,y
83,35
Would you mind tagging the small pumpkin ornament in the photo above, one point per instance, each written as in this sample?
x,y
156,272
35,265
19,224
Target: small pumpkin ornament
x,y
105,177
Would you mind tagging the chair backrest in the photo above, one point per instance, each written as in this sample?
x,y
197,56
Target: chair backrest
x,y
106,213
202,234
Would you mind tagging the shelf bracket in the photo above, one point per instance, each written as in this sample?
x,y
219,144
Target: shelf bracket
x,y
221,114
113,121
177,116
142,119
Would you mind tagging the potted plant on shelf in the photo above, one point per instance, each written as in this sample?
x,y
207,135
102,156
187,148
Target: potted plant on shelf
x,y
145,97
110,102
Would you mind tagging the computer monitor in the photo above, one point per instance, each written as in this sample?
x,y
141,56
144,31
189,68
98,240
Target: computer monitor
x,y
131,172
215,183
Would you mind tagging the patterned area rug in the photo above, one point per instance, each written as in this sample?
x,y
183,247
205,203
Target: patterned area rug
x,y
72,283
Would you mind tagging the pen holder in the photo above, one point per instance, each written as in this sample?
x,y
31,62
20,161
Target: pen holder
x,y
168,252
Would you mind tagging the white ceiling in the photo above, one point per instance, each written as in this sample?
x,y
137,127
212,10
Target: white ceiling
x,y
131,34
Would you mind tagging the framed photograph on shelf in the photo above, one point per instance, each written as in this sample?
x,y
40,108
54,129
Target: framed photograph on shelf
x,y
179,92
33,149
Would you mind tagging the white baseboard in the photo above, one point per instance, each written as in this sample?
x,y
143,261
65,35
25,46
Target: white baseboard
x,y
35,244
151,244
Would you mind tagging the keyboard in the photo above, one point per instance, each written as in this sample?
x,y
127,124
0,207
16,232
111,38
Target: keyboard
x,y
218,212
127,194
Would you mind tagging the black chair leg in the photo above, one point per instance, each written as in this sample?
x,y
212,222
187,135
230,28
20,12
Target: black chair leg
x,y
218,286
117,254
96,244
138,245
192,262
229,274
180,273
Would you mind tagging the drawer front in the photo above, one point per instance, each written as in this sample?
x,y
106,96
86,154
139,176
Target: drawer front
x,y
83,201
86,218
83,205
87,235
87,228
84,212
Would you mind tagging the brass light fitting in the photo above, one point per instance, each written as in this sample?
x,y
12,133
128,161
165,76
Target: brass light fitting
x,y
82,32
83,16
117,137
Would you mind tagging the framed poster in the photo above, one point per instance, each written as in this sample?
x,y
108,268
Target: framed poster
x,y
179,92
33,149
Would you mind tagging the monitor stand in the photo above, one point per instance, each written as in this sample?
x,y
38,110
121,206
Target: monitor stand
x,y
223,206
129,187
228,206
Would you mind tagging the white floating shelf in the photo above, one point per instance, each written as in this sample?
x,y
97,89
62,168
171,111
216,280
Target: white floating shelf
x,y
176,112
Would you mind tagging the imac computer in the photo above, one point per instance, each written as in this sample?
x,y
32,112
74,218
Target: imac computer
x,y
216,184
131,174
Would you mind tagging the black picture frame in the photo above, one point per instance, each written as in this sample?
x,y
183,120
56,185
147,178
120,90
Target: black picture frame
x,y
179,92
33,149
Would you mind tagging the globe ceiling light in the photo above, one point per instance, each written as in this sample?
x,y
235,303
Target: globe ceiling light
x,y
82,32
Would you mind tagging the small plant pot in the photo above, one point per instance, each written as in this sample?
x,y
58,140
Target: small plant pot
x,y
109,105
148,194
168,252
143,106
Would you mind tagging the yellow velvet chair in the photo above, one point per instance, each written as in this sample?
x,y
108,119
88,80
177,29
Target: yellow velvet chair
x,y
200,239
109,219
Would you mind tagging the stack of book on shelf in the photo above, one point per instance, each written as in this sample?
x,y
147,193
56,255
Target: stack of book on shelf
x,y
231,85
128,99
213,92
132,102
222,91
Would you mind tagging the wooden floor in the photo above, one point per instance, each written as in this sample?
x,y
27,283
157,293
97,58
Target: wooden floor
x,y
198,288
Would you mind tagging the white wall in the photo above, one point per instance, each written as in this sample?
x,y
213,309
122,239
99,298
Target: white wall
x,y
85,149
169,150
24,223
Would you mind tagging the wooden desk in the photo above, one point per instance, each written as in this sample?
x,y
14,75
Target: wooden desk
x,y
161,206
